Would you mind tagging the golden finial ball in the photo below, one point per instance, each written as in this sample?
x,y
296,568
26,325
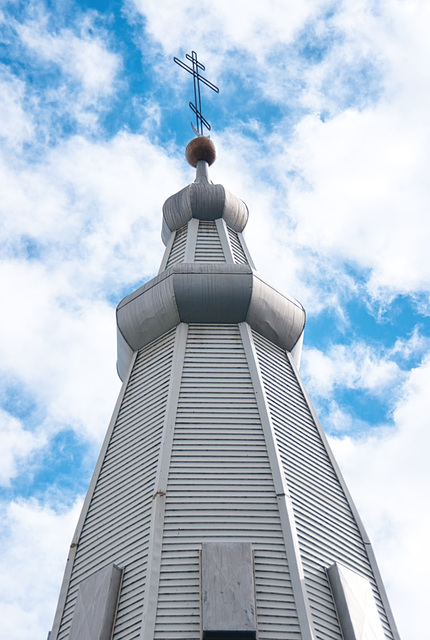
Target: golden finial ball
x,y
200,148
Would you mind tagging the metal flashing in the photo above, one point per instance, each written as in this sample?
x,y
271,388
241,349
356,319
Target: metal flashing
x,y
94,612
225,241
206,293
228,591
206,200
355,604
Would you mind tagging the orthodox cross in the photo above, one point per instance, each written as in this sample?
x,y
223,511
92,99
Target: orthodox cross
x,y
196,107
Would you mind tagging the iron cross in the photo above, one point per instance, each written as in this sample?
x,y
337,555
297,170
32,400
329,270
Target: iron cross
x,y
196,107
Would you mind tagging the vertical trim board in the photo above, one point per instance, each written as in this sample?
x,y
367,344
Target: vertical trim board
x,y
224,239
249,259
177,252
167,251
236,247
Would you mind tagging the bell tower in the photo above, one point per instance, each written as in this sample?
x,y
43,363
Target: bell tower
x,y
216,509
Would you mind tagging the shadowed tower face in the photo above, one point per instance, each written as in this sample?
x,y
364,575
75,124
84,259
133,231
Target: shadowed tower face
x,y
216,509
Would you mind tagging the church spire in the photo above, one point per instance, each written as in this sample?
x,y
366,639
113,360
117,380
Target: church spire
x,y
216,509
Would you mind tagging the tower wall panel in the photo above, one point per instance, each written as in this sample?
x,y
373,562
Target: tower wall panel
x,y
326,527
117,525
208,246
220,486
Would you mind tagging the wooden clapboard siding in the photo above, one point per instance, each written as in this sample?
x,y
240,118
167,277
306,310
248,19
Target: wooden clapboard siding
x,y
208,245
117,525
326,526
177,252
236,247
220,486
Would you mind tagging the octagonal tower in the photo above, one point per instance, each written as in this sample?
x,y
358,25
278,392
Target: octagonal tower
x,y
216,509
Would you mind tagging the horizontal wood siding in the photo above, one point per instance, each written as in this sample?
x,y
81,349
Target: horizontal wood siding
x,y
208,246
326,526
236,247
117,525
177,252
220,487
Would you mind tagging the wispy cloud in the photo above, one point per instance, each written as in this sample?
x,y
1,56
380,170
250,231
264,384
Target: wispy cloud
x,y
32,562
16,444
354,366
70,71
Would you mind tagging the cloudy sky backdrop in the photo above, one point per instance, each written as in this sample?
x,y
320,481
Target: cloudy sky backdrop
x,y
322,127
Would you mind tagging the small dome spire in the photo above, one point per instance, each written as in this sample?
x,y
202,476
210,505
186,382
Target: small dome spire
x,y
200,148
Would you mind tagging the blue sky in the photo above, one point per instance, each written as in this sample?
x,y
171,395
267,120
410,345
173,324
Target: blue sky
x,y
322,127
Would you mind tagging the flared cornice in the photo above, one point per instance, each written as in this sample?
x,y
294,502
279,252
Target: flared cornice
x,y
205,293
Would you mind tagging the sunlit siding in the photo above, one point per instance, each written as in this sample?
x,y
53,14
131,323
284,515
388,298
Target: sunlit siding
x,y
220,486
326,527
117,525
236,247
208,246
177,252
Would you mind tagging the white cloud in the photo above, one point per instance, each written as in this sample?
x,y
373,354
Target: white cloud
x,y
83,56
16,125
75,71
34,550
54,344
406,348
353,366
361,173
362,191
16,444
91,216
218,26
389,478
237,38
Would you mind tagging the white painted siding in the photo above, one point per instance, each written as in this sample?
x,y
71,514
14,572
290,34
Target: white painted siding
x,y
208,246
327,529
117,524
236,247
220,487
177,252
